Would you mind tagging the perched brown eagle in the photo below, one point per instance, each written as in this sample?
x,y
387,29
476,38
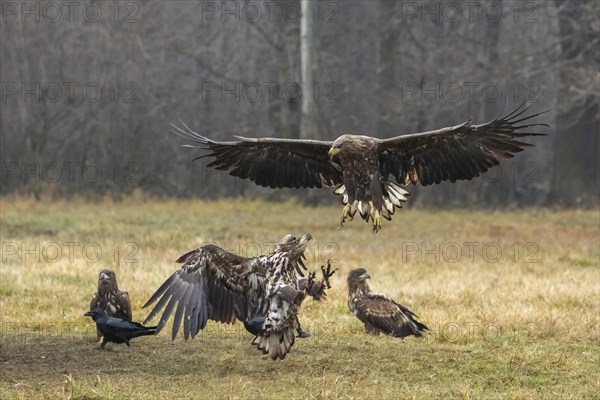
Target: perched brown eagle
x,y
378,312
265,292
361,167
109,298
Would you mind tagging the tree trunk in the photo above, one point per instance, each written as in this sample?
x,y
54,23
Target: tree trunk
x,y
307,119
388,42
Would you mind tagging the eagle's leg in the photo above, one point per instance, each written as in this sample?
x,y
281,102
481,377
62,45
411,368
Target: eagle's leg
x,y
348,212
371,329
327,273
345,214
376,217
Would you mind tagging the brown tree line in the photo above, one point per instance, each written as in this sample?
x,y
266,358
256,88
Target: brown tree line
x,y
89,89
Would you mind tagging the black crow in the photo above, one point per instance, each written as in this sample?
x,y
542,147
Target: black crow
x,y
117,330
255,326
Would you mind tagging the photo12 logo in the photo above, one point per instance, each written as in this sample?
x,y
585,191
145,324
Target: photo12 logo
x,y
254,92
70,92
69,11
470,91
469,252
465,331
468,11
68,171
269,11
315,252
14,252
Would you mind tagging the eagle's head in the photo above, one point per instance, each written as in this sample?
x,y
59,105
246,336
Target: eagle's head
x,y
107,280
357,280
337,146
293,248
352,144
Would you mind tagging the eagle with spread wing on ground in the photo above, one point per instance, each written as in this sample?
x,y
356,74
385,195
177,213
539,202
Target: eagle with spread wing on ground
x,y
378,312
265,292
361,167
108,297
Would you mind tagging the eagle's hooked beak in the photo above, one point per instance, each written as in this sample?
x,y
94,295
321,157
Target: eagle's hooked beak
x,y
333,151
301,246
104,277
365,276
306,238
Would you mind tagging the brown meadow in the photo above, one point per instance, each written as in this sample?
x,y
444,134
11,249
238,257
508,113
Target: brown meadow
x,y
512,299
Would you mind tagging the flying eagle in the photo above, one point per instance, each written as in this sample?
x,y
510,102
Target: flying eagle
x,y
378,312
362,167
109,298
117,330
265,292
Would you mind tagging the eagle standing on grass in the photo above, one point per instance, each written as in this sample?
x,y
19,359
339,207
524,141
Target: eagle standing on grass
x,y
108,297
361,167
378,312
265,292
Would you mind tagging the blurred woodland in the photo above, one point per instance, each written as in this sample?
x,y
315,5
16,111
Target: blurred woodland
x,y
89,90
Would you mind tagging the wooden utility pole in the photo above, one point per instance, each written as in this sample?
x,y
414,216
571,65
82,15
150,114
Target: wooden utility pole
x,y
307,119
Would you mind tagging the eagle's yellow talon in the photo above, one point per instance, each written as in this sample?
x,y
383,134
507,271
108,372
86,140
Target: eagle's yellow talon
x,y
345,214
376,217
368,171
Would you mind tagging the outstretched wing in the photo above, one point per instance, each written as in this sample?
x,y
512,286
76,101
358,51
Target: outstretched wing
x,y
208,286
386,315
459,152
270,162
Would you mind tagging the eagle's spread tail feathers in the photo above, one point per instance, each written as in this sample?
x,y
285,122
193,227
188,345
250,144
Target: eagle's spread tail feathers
x,y
392,196
277,344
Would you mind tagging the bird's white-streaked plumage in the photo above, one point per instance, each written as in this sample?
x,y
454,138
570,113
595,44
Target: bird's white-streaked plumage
x,y
214,284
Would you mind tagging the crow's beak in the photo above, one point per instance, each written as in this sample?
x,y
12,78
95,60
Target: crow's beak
x,y
333,151
365,276
89,314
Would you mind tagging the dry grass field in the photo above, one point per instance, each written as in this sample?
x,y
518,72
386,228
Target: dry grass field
x,y
512,300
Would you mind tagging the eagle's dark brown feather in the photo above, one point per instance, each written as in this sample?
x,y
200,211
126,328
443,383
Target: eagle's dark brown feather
x,y
206,287
214,284
378,312
270,162
367,170
460,152
109,298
